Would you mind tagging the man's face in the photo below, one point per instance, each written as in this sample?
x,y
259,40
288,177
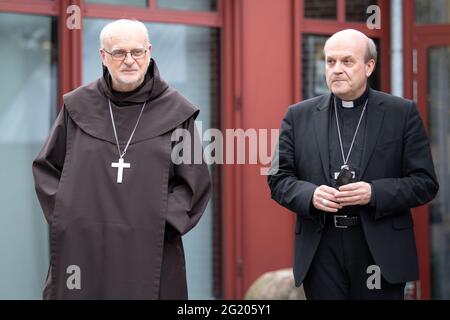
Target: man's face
x,y
346,71
128,73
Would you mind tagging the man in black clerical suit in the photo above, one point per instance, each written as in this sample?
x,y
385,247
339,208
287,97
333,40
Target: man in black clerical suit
x,y
351,164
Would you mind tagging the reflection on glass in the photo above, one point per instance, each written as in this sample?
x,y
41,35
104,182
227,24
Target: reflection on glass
x,y
188,59
27,108
192,5
138,3
439,130
356,10
435,11
320,9
313,61
314,83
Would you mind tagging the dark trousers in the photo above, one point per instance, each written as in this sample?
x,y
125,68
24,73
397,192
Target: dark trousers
x,y
339,269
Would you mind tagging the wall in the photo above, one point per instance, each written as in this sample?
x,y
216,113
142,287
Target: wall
x,y
263,230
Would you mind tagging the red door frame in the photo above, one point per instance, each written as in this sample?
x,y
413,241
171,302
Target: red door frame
x,y
417,40
421,214
425,39
232,175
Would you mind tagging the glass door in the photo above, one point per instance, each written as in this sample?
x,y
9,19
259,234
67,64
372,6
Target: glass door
x,y
427,78
27,108
433,94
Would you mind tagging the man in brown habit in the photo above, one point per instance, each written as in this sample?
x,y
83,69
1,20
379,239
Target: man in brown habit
x,y
116,204
351,164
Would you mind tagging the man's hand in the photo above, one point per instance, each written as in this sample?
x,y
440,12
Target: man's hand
x,y
324,199
357,193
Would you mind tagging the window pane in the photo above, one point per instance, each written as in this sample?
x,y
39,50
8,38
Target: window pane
x,y
193,5
356,10
313,73
313,66
27,109
320,9
438,107
188,59
436,11
138,3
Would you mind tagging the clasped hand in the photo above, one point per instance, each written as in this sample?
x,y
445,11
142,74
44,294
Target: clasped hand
x,y
329,199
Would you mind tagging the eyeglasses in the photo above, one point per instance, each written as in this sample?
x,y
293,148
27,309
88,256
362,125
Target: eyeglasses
x,y
121,54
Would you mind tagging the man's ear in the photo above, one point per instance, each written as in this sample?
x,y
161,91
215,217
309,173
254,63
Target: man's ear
x,y
370,67
102,56
149,47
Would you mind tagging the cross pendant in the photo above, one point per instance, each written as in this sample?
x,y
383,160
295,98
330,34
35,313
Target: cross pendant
x,y
345,166
120,166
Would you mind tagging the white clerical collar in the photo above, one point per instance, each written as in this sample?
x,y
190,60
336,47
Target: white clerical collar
x,y
348,104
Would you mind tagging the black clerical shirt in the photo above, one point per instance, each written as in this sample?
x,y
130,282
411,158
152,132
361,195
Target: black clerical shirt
x,y
348,120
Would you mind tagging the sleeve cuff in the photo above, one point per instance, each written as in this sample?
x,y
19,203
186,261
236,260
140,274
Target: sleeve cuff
x,y
372,198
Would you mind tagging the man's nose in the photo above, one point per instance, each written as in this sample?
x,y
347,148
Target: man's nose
x,y
128,59
337,67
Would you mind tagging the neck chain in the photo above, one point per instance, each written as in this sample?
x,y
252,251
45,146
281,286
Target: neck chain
x,y
121,164
345,159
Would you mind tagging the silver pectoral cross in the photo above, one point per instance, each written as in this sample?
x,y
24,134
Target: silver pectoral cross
x,y
345,166
120,166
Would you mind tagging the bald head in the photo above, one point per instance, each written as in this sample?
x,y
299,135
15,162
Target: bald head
x,y
125,50
123,29
354,37
350,58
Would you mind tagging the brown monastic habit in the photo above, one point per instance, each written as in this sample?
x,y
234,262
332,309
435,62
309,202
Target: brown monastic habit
x,y
125,238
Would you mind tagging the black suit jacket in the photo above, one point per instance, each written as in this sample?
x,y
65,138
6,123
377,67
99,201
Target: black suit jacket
x,y
396,160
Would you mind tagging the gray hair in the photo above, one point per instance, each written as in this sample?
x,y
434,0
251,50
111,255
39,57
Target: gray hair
x,y
106,31
371,52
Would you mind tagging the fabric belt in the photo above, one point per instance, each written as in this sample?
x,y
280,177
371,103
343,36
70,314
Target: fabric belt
x,y
342,221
